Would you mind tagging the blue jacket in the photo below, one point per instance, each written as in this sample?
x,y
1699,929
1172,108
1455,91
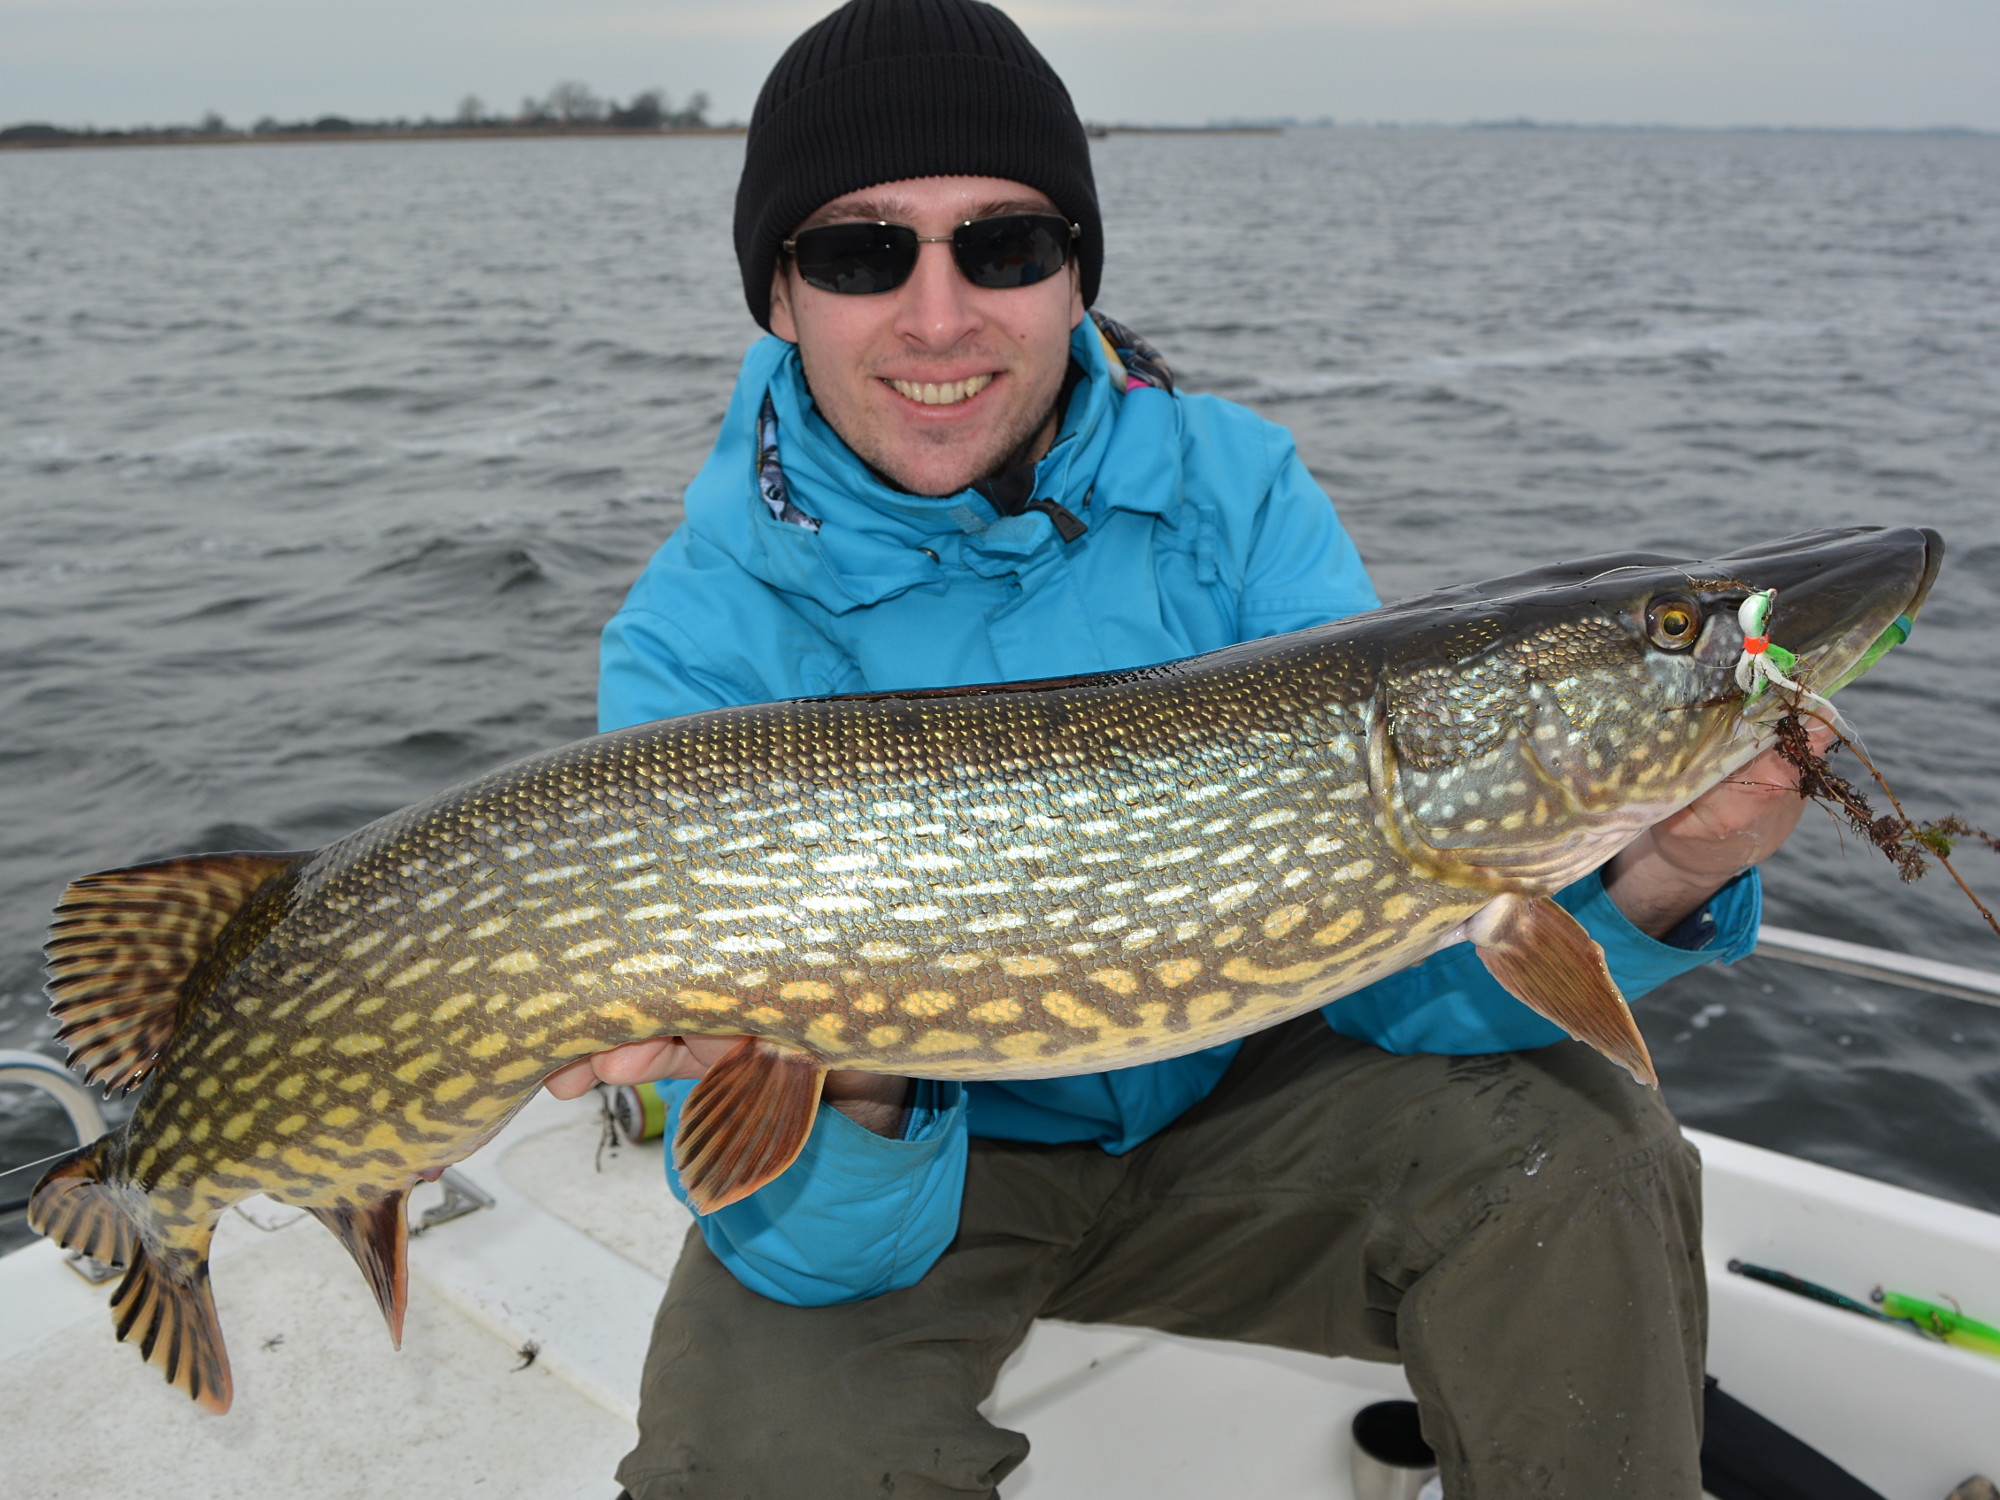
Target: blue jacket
x,y
808,575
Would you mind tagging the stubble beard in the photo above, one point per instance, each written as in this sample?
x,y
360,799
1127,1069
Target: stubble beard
x,y
1023,442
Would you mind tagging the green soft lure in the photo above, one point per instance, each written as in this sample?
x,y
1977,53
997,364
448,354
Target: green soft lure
x,y
1897,633
1946,1323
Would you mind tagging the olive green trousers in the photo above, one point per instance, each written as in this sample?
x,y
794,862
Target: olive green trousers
x,y
1520,1231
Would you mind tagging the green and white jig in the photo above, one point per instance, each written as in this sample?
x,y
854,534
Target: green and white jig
x,y
1761,662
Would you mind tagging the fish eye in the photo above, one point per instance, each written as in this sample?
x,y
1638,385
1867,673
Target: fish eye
x,y
1673,624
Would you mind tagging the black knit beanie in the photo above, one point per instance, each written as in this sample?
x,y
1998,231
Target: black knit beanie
x,y
882,90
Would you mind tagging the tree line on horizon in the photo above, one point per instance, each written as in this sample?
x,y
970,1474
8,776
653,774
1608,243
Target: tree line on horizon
x,y
568,105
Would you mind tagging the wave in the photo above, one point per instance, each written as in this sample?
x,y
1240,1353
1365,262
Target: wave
x,y
1709,341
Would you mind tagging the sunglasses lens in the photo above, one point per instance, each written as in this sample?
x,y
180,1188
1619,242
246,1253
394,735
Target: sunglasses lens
x,y
1014,250
856,260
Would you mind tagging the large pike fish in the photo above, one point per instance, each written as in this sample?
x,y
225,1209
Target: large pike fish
x,y
1012,881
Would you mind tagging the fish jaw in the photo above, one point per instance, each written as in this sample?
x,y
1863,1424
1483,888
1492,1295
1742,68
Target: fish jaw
x,y
1837,596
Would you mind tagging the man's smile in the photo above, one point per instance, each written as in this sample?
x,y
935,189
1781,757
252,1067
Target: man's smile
x,y
934,393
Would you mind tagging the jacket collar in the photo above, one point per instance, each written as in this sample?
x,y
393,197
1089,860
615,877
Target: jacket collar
x,y
874,541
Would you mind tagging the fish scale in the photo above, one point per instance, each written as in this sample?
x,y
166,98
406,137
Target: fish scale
x,y
1015,881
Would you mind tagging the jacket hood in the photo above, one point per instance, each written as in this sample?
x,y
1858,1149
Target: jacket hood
x,y
1116,449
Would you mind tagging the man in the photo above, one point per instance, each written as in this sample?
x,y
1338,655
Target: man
x,y
941,470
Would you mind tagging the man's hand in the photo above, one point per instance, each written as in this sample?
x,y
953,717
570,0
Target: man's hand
x,y
874,1101
1666,874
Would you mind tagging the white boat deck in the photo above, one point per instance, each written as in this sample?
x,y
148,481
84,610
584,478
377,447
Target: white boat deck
x,y
573,1260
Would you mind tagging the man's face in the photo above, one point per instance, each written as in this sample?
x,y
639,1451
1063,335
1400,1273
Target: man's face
x,y
995,359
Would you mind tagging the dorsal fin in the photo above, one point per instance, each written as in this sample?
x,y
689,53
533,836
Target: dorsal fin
x,y
124,942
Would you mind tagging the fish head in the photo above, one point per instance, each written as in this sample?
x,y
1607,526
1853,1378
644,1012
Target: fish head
x,y
1530,726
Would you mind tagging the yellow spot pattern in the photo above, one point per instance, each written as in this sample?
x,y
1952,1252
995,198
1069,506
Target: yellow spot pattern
x,y
933,1042
1283,920
827,1034
1028,965
706,1000
1340,929
542,1004
1204,1008
1022,1044
414,972
927,1003
996,1012
1071,1011
1251,972
1398,907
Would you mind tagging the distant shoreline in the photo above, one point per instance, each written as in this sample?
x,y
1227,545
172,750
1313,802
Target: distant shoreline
x,y
67,140
74,140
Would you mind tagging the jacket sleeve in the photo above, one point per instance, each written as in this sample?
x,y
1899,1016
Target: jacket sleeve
x,y
856,1215
646,671
1449,1003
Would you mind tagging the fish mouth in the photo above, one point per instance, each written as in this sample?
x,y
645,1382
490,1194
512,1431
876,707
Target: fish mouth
x,y
1838,593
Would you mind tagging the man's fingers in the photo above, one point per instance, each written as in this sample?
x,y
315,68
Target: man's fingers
x,y
572,1080
641,1062
638,1062
634,1062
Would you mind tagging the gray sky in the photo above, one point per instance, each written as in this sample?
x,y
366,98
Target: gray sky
x,y
1685,62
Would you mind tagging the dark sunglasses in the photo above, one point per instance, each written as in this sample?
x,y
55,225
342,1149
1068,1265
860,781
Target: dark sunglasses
x,y
858,260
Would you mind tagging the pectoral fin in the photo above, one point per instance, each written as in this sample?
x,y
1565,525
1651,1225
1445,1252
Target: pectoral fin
x,y
746,1121
1542,957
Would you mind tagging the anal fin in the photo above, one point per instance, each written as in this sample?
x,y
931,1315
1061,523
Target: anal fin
x,y
377,1235
746,1121
74,1206
1542,957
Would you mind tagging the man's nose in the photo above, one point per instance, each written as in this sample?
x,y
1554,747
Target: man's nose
x,y
936,305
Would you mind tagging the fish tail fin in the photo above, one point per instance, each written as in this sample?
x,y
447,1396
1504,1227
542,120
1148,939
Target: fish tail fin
x,y
377,1235
124,944
163,1304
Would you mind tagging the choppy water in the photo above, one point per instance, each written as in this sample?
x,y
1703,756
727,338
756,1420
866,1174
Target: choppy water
x,y
321,465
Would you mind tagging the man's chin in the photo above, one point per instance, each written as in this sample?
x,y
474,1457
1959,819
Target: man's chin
x,y
937,469
935,475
